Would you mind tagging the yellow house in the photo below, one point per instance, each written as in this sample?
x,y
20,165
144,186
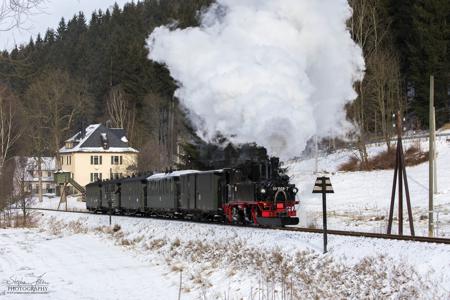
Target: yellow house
x,y
97,152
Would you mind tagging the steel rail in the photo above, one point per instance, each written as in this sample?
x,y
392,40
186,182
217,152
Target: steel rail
x,y
408,238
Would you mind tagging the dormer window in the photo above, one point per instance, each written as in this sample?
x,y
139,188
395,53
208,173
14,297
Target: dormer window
x,y
105,143
69,145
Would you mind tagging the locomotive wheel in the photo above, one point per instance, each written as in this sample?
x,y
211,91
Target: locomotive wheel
x,y
238,216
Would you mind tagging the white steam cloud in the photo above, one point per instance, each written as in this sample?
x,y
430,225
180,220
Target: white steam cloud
x,y
274,72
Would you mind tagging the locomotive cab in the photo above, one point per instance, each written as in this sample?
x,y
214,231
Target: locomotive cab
x,y
261,197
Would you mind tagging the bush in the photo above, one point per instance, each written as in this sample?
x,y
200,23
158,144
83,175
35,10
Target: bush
x,y
385,160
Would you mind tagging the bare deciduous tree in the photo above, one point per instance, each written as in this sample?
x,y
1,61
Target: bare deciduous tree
x,y
13,12
22,197
379,92
55,100
121,111
385,85
10,130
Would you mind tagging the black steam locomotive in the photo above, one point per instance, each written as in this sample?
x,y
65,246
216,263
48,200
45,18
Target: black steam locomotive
x,y
253,193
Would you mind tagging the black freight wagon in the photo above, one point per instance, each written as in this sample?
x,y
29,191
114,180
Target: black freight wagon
x,y
94,196
162,193
111,195
201,191
134,194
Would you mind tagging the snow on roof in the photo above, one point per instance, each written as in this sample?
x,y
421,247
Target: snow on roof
x,y
91,146
47,163
178,173
31,166
98,149
173,174
89,130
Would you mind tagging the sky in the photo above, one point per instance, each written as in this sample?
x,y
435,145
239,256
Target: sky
x,y
49,15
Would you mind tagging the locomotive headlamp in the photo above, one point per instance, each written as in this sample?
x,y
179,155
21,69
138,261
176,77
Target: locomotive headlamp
x,y
263,191
295,190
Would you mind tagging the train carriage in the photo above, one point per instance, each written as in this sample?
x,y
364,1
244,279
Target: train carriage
x,y
94,196
111,195
134,194
254,194
162,193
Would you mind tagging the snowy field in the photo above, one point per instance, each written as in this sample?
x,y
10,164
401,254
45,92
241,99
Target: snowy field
x,y
361,200
81,257
73,203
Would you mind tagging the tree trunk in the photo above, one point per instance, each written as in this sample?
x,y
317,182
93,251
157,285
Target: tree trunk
x,y
40,178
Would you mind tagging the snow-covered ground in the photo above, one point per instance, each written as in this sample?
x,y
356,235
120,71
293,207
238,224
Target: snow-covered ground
x,y
75,267
52,202
73,203
361,199
81,257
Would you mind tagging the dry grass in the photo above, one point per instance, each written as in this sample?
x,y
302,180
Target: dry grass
x,y
17,220
385,161
301,275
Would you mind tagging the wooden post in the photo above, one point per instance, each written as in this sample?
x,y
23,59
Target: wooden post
x,y
394,188
110,209
431,161
400,175
65,191
324,208
324,187
63,197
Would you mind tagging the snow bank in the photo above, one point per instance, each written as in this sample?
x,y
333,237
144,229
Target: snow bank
x,y
217,261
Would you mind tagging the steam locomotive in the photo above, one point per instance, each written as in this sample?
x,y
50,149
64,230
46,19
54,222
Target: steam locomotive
x,y
255,193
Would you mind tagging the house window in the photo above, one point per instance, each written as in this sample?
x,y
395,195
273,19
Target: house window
x,y
96,176
116,160
116,175
68,160
62,160
96,159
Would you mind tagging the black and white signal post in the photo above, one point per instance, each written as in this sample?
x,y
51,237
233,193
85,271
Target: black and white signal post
x,y
323,186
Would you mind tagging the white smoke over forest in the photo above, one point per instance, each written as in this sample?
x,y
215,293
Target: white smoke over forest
x,y
274,72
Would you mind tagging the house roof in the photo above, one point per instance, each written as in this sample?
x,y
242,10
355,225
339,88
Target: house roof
x,y
99,138
30,164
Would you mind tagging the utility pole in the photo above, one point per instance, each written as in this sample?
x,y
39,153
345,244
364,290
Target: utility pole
x,y
435,190
431,157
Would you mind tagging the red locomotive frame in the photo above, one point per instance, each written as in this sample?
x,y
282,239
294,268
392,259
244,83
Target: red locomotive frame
x,y
264,213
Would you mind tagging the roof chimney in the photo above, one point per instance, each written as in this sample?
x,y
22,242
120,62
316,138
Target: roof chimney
x,y
82,131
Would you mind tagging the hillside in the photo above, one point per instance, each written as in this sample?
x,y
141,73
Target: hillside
x,y
361,200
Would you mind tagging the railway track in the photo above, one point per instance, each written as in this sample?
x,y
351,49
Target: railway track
x,y
422,239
